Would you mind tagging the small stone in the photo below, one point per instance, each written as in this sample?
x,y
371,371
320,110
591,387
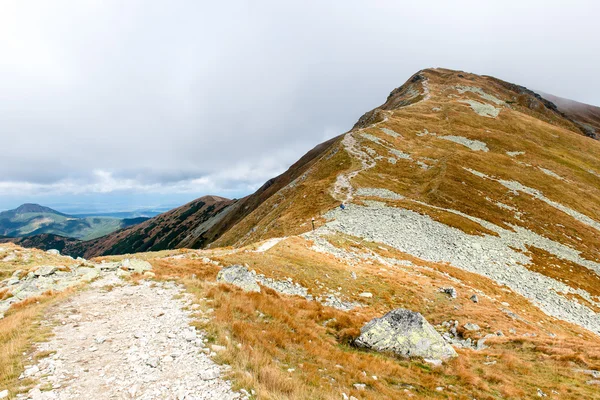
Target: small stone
x,y
100,339
152,361
133,390
540,393
217,348
360,386
4,394
474,298
366,295
35,394
481,344
450,291
190,336
209,374
31,371
471,327
45,270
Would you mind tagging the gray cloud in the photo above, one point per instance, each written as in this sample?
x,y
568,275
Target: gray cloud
x,y
197,97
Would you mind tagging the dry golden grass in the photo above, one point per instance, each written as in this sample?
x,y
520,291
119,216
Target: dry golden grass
x,y
18,331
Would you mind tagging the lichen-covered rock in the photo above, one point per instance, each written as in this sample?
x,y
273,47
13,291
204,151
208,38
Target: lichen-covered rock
x,y
239,276
405,333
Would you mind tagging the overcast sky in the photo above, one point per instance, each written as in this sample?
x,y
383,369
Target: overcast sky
x,y
126,104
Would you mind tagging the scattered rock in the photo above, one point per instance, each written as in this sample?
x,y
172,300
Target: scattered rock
x,y
471,327
595,374
217,348
366,295
540,393
152,362
405,333
474,299
450,291
54,252
4,394
45,270
210,374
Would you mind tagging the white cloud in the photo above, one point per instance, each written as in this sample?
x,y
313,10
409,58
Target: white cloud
x,y
185,96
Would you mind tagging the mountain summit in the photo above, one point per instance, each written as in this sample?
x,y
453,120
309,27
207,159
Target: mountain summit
x,y
34,208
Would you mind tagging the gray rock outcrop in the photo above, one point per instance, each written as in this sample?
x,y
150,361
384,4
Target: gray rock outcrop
x,y
249,281
239,276
405,333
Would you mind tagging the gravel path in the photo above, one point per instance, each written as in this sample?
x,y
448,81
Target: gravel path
x,y
124,341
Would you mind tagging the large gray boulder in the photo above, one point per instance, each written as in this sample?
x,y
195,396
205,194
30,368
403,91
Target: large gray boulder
x,y
405,333
239,276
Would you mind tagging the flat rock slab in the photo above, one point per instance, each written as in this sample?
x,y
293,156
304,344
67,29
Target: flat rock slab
x,y
127,341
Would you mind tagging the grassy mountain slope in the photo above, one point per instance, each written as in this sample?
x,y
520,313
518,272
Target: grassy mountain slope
x,y
165,231
415,141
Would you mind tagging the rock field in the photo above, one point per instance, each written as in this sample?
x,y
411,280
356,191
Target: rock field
x,y
492,256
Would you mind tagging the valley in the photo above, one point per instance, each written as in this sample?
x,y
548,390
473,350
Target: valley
x,y
33,219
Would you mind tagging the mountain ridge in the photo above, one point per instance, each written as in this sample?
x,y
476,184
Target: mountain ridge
x,y
469,203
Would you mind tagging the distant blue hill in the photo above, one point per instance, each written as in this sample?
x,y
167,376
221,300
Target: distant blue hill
x,y
33,219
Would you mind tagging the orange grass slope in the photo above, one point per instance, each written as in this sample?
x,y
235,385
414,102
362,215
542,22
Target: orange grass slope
x,y
287,347
415,138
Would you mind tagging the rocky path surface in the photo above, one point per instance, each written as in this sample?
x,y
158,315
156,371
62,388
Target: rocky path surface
x,y
123,341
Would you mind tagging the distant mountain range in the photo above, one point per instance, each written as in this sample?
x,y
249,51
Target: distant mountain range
x,y
120,214
34,219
